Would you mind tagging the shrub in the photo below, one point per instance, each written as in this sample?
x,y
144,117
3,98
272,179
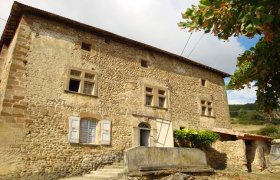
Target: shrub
x,y
270,130
195,138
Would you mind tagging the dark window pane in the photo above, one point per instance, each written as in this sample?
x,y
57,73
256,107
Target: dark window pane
x,y
203,82
149,100
149,89
209,111
161,92
161,102
74,85
86,46
203,110
202,102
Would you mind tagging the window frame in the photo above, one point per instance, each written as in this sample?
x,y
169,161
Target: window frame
x,y
156,96
82,78
206,106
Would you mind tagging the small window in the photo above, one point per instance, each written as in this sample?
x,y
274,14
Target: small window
x,y
144,63
206,108
203,82
81,81
182,127
86,46
155,97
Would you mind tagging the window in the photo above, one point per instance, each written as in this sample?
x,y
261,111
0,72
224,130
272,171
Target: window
x,y
86,46
203,82
81,81
88,131
85,131
155,97
144,63
206,108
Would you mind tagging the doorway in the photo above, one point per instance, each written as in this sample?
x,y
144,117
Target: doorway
x,y
144,134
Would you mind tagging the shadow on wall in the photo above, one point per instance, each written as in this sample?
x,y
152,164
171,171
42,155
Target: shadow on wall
x,y
216,159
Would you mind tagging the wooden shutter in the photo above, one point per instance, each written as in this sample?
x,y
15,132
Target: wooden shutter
x,y
74,126
105,132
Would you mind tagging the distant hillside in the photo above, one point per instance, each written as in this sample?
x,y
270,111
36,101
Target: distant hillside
x,y
248,114
237,107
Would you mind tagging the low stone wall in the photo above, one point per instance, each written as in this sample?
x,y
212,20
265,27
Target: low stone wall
x,y
227,155
144,159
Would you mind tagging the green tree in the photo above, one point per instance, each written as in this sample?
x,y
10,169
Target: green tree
x,y
260,64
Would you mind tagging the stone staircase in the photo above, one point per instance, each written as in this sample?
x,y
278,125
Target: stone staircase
x,y
113,172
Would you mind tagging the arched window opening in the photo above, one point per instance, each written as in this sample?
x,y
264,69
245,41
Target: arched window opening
x,y
144,134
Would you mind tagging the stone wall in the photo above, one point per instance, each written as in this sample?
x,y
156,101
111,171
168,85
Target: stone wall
x,y
36,108
227,155
258,155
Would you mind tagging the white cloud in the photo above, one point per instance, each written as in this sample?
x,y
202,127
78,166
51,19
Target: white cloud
x,y
153,22
243,96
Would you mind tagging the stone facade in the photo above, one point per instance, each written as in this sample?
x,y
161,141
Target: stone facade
x,y
227,155
35,107
239,155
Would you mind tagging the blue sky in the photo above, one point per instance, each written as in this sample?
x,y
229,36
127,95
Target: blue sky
x,y
245,95
153,22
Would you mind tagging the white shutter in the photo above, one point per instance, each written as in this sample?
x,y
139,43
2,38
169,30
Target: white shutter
x,y
105,132
74,126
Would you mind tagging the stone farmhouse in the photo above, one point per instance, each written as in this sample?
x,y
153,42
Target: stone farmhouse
x,y
74,97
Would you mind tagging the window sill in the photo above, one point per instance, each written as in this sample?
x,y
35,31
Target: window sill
x,y
156,107
208,116
83,94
